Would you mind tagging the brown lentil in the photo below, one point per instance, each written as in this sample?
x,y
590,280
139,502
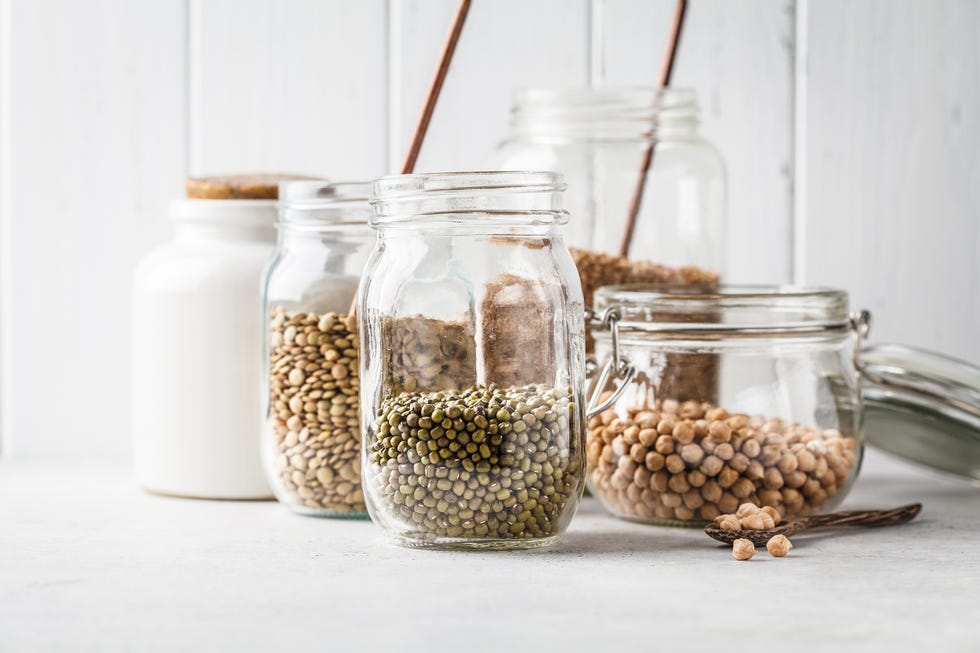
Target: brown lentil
x,y
314,410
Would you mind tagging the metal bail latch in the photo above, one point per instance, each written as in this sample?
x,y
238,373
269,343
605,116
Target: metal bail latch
x,y
618,364
861,325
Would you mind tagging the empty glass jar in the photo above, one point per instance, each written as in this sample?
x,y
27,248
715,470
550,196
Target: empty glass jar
x,y
311,439
472,364
597,138
784,428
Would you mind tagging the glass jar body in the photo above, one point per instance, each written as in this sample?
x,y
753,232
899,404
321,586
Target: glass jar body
x,y
472,331
784,429
194,400
311,435
597,138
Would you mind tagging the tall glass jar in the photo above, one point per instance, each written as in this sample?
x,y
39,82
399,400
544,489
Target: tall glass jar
x,y
311,440
784,430
472,324
597,138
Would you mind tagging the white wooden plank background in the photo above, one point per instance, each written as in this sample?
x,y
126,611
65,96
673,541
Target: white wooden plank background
x,y
892,166
506,44
108,104
739,58
295,86
6,247
98,146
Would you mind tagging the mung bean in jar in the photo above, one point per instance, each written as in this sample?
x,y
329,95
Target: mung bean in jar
x,y
311,439
785,426
472,335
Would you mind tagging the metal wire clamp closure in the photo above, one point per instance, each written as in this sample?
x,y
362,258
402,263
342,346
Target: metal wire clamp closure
x,y
618,363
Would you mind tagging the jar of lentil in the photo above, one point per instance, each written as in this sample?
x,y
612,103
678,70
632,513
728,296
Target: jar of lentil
x,y
784,428
311,440
473,365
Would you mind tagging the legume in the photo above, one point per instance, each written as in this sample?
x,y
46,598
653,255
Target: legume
x,y
733,458
313,394
480,463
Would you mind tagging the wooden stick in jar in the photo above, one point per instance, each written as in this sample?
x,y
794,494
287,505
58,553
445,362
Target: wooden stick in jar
x,y
436,87
422,126
641,182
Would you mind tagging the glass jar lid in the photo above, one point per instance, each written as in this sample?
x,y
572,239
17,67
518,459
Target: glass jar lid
x,y
924,407
725,311
470,200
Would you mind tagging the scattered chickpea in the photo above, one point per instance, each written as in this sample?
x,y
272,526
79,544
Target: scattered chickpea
x,y
779,546
743,549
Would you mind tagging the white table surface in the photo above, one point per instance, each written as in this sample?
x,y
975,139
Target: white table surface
x,y
88,562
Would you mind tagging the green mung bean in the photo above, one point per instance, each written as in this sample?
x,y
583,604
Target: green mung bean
x,y
502,463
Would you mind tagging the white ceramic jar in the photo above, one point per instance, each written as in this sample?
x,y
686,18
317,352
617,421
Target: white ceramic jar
x,y
196,341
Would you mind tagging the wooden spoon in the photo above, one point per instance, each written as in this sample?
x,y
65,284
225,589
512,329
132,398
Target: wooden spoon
x,y
891,517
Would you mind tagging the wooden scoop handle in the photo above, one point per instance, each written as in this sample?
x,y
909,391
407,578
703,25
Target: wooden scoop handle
x,y
864,517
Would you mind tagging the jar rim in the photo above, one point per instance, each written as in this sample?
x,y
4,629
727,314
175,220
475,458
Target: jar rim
x,y
399,186
727,309
523,198
646,95
322,192
323,203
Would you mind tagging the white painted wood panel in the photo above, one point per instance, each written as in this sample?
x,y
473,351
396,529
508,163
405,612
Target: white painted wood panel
x,y
295,86
739,58
97,146
892,165
6,246
505,45
105,105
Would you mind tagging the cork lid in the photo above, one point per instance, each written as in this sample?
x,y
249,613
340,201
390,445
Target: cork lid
x,y
259,186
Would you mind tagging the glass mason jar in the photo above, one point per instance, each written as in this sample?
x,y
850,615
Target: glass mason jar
x,y
473,365
193,386
597,138
785,429
311,441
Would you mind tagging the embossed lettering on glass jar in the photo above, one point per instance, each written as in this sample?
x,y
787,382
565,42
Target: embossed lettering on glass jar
x,y
311,440
472,367
783,430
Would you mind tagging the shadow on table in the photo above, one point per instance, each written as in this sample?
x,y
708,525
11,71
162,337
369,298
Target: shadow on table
x,y
618,543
